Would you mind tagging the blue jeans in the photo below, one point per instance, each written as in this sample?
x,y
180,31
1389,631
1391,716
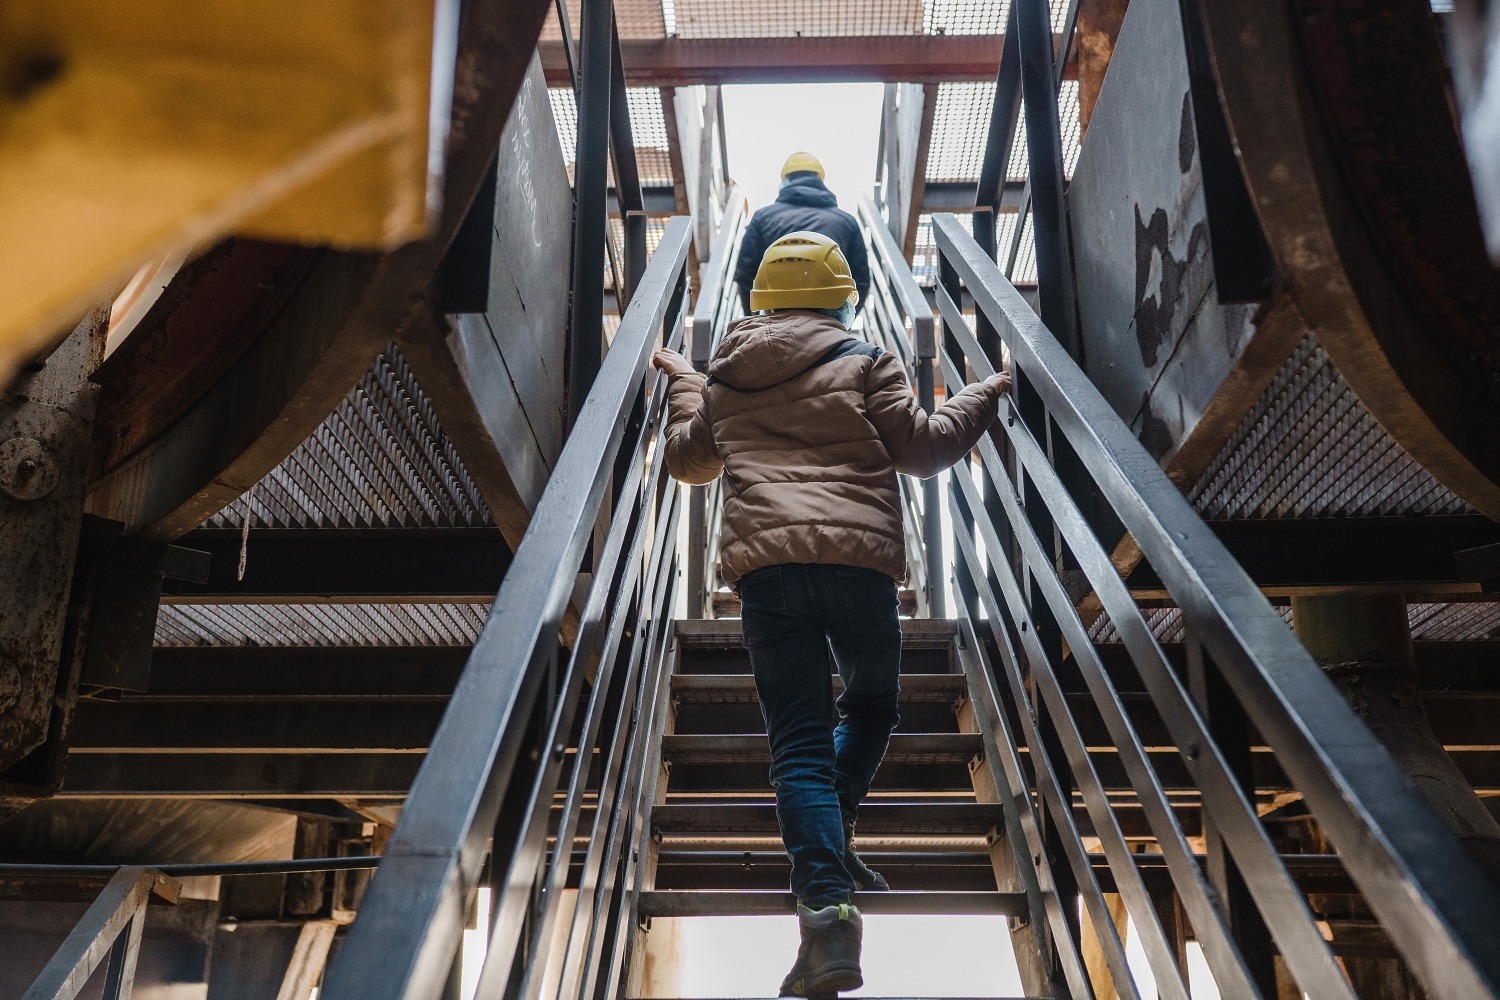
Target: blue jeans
x,y
796,618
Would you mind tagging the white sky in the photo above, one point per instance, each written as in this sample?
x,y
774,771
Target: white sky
x,y
839,123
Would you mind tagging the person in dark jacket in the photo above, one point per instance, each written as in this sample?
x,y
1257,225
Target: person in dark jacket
x,y
804,204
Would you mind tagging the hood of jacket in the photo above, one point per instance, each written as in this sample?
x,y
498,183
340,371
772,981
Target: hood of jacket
x,y
810,192
765,350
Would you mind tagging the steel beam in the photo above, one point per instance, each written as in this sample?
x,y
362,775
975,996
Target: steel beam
x,y
241,776
188,673
1399,554
683,62
349,566
134,727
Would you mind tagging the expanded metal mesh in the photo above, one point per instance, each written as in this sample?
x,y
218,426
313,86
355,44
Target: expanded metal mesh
x,y
800,18
1311,449
960,126
648,128
320,624
379,460
925,255
655,228
797,18
924,258
634,18
565,114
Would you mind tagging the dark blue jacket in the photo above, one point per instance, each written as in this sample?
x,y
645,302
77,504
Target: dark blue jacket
x,y
803,204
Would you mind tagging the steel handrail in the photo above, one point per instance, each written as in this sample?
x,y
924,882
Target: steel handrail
x,y
716,308
1422,886
909,332
713,311
908,293
108,932
404,941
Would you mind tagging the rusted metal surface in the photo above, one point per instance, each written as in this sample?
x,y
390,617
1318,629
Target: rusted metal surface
x,y
350,307
1311,448
1347,144
379,460
52,411
207,317
1098,26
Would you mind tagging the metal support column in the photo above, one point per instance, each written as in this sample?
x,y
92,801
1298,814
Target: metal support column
x,y
590,203
1054,254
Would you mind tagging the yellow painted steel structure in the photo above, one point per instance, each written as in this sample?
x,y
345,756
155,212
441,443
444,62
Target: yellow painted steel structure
x,y
131,129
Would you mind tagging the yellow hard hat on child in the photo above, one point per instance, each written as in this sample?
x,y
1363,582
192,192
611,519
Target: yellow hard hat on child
x,y
799,161
803,271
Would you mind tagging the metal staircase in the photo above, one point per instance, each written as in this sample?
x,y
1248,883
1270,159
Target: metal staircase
x,y
933,825
601,763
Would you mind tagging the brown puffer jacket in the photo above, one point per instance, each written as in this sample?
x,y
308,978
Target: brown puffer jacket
x,y
810,427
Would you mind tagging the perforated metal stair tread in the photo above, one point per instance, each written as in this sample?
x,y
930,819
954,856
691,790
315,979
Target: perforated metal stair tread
x,y
965,819
727,689
726,903
905,748
725,633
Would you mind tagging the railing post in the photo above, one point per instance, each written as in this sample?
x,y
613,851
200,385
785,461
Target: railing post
x,y
1230,728
590,203
1054,256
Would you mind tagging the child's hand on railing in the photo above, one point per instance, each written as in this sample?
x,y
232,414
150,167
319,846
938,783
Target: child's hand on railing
x,y
675,364
1001,382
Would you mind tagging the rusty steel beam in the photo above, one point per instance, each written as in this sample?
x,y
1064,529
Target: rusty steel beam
x,y
681,62
1342,121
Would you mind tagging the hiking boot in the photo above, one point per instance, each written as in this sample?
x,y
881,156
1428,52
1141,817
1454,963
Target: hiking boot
x,y
865,880
828,958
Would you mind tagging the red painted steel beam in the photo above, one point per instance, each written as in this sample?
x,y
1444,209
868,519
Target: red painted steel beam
x,y
680,62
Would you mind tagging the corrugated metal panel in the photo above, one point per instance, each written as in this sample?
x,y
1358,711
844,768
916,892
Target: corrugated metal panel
x,y
319,624
1311,449
1449,622
1165,623
379,460
1454,622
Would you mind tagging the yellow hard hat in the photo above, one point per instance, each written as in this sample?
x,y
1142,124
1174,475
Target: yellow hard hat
x,y
799,161
803,271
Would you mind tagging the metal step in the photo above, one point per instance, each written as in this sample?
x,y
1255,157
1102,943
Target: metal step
x,y
726,633
740,903
905,748
727,603
739,689
770,870
962,819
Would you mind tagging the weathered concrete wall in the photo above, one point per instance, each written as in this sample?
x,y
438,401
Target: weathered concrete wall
x,y
1156,340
